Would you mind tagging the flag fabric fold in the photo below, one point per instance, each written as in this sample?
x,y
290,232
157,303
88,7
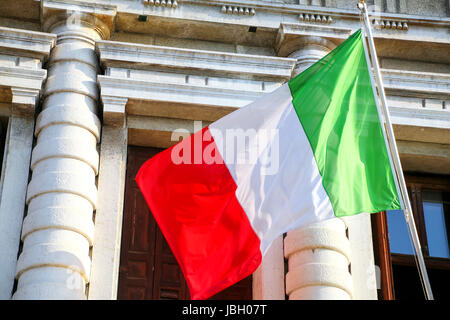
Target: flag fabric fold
x,y
311,150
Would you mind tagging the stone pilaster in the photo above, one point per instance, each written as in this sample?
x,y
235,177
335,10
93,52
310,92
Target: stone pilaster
x,y
13,187
22,54
268,279
108,217
62,195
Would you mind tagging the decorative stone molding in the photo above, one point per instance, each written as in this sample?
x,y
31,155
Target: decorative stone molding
x,y
117,54
24,101
27,79
322,7
182,90
21,56
307,43
25,43
70,14
289,35
25,87
200,13
419,100
161,3
114,113
438,121
180,100
318,18
416,84
238,10
185,80
311,49
390,25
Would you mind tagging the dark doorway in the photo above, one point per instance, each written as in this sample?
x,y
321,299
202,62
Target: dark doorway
x,y
148,269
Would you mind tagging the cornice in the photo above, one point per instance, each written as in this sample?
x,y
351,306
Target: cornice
x,y
290,34
22,77
132,55
285,8
416,84
26,43
211,21
439,119
177,93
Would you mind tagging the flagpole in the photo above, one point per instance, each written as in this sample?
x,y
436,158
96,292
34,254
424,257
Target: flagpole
x,y
389,132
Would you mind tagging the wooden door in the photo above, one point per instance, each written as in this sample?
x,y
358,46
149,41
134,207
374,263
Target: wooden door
x,y
148,269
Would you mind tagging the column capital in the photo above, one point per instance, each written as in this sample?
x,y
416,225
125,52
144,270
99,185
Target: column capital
x,y
307,43
114,113
57,15
24,101
292,37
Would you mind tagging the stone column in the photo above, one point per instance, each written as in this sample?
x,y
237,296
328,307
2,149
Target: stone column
x,y
308,50
318,255
62,195
318,262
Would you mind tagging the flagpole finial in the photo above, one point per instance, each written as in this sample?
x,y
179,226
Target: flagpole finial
x,y
361,4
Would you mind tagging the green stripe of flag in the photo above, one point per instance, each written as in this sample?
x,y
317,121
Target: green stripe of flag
x,y
336,108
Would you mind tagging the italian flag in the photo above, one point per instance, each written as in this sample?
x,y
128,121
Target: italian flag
x,y
311,150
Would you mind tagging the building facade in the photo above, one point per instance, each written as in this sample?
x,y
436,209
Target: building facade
x,y
91,89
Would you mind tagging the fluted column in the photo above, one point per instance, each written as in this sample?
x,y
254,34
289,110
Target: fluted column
x,y
58,230
318,255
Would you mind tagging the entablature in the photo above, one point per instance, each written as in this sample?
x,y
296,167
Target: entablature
x,y
213,21
184,83
22,54
158,82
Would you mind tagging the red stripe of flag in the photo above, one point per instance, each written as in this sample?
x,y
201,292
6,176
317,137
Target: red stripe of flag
x,y
195,206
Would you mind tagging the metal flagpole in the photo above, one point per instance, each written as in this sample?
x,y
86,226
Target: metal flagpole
x,y
389,132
